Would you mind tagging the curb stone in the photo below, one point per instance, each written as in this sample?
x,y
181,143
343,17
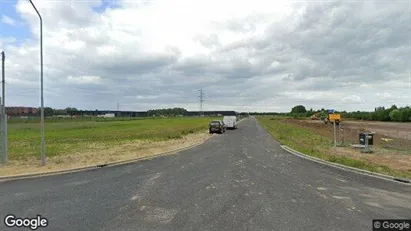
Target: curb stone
x,y
94,167
346,168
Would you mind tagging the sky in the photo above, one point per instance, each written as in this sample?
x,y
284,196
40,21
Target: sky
x,y
245,55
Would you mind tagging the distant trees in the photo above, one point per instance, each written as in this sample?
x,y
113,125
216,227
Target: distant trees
x,y
298,109
71,109
167,112
393,113
48,111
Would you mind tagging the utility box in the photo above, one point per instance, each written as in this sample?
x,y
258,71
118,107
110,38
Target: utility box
x,y
363,136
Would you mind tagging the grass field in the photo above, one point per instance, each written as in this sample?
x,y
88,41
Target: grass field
x,y
65,136
310,143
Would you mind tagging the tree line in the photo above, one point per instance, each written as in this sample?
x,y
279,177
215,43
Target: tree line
x,y
48,111
393,113
167,112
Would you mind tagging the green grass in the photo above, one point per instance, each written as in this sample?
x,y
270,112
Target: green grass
x,y
76,119
305,141
67,136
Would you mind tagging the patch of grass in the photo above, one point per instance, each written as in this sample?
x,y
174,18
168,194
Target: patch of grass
x,y
307,142
63,137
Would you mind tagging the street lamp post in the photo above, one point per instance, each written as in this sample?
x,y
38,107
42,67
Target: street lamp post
x,y
43,145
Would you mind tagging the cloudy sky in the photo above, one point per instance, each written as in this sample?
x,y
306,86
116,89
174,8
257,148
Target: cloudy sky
x,y
246,55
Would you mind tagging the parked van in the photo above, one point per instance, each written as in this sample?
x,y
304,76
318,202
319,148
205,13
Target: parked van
x,y
230,122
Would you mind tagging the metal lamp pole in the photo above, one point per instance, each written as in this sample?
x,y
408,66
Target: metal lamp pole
x,y
43,145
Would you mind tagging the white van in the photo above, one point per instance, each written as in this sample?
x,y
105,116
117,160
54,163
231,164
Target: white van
x,y
230,121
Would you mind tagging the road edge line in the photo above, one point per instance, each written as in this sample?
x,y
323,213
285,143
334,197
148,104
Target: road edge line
x,y
93,167
346,168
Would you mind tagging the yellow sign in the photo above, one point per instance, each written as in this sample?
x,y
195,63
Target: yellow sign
x,y
335,116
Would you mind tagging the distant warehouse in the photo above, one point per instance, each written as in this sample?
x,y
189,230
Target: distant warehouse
x,y
145,113
212,113
107,113
21,111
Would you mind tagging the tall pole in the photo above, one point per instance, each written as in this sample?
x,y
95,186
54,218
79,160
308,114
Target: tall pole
x,y
3,101
43,144
3,108
201,101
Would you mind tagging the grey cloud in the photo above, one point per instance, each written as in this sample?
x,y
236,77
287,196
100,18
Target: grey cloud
x,y
318,59
339,46
209,41
121,67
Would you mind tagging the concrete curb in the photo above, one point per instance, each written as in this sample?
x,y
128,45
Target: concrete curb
x,y
346,168
93,167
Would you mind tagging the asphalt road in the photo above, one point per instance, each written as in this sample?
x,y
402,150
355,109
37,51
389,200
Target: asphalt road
x,y
240,180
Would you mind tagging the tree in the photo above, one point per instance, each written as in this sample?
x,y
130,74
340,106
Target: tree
x,y
48,111
167,112
404,114
395,115
298,109
71,109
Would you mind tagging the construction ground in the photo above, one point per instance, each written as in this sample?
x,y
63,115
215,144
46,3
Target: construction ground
x,y
391,141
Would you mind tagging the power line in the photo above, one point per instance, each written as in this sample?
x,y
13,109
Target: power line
x,y
201,101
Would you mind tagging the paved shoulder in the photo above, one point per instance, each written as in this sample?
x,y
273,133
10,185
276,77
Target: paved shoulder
x,y
240,180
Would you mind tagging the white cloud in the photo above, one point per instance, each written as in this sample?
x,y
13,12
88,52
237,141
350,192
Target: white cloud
x,y
352,99
254,55
7,20
84,79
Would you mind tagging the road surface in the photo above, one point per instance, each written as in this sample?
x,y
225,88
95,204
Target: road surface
x,y
240,180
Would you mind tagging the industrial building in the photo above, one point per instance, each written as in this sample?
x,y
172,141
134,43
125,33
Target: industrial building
x,y
145,113
32,111
21,111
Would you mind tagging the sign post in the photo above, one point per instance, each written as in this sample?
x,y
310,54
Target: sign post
x,y
335,135
335,118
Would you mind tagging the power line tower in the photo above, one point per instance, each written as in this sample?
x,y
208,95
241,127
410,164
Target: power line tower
x,y
201,101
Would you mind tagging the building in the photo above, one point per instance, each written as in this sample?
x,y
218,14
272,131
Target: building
x,y
212,113
145,113
21,111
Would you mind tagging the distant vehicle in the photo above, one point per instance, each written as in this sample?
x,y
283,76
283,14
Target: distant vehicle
x,y
230,121
216,126
316,116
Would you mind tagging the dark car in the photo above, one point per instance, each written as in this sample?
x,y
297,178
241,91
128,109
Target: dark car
x,y
216,126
